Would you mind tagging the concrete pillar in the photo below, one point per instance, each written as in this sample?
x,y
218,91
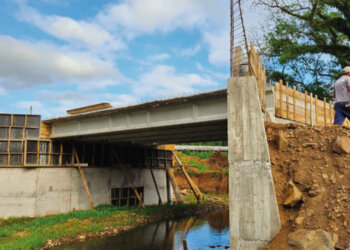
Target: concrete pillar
x,y
254,218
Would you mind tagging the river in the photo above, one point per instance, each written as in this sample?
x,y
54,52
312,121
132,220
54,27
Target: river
x,y
205,231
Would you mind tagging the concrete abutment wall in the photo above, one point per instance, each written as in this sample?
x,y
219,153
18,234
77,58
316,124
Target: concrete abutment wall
x,y
254,217
44,191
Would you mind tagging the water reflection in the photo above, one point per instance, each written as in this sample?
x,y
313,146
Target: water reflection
x,y
207,231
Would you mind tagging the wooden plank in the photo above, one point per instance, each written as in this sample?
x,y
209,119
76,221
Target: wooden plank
x,y
127,177
99,106
294,101
316,99
193,186
330,112
83,178
174,184
305,94
281,97
156,186
287,100
311,121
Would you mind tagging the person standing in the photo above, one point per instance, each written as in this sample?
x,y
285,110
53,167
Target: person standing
x,y
341,94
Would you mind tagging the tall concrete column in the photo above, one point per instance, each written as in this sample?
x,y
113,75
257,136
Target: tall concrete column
x,y
254,218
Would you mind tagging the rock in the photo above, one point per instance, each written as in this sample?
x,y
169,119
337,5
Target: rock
x,y
312,240
282,143
115,231
310,144
315,190
299,220
293,194
342,145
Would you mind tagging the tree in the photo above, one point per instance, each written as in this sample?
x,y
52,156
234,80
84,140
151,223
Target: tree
x,y
309,43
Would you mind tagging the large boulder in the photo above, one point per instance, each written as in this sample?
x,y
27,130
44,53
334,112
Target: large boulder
x,y
342,145
294,196
312,240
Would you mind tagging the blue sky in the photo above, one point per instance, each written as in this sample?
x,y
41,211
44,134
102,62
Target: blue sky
x,y
57,55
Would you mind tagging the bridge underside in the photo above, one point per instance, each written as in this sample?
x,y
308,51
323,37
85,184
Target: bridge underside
x,y
185,133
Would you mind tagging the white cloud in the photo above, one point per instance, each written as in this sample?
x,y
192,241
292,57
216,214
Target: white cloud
x,y
37,107
188,52
66,28
136,17
219,47
159,57
163,80
121,99
25,64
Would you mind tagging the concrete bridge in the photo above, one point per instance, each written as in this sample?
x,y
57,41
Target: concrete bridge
x,y
232,114
200,117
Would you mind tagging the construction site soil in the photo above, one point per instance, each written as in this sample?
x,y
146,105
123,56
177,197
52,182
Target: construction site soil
x,y
322,176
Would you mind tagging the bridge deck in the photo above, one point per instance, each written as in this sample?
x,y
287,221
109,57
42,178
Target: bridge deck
x,y
200,117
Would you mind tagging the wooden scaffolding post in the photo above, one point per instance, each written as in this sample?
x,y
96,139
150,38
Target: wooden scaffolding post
x,y
127,177
197,193
155,184
174,184
154,180
83,178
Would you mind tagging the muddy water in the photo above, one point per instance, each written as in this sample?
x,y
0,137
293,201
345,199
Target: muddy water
x,y
206,231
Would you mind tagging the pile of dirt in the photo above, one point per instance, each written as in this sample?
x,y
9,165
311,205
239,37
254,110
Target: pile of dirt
x,y
218,161
306,156
210,183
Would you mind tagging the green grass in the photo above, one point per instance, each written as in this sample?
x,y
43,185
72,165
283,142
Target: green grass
x,y
202,167
33,233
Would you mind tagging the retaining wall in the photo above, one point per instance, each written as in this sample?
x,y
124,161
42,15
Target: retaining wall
x,y
44,191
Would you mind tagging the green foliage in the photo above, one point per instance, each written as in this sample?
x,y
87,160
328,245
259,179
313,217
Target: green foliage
x,y
309,43
201,155
224,154
214,143
226,171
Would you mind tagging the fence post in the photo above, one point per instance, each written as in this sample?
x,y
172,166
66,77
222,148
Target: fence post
x,y
281,98
330,112
305,106
325,110
294,102
287,100
311,120
316,116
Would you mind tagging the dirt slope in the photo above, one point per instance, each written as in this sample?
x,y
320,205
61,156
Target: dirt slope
x,y
308,159
322,175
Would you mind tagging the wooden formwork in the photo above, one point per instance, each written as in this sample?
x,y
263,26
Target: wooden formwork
x,y
303,107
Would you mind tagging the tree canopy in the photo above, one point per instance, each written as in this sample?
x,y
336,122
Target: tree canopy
x,y
309,42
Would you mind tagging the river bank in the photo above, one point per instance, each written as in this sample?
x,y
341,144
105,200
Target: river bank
x,y
52,231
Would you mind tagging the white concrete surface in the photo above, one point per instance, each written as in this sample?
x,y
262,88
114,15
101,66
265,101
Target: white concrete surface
x,y
44,191
254,218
